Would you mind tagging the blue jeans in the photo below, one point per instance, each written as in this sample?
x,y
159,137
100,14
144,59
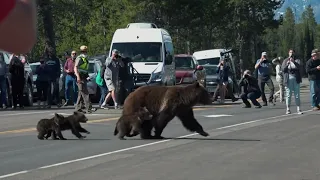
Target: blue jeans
x,y
315,92
71,80
3,89
104,92
295,87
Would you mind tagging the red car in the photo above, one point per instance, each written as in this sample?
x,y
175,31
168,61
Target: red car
x,y
188,70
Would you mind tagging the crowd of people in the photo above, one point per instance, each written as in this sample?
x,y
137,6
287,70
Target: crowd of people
x,y
288,77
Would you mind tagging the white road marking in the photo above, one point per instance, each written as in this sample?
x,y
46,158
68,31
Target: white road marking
x,y
218,115
136,147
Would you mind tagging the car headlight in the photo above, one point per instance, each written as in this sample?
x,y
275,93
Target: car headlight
x,y
156,76
187,79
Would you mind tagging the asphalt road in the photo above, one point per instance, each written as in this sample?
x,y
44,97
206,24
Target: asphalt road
x,y
244,144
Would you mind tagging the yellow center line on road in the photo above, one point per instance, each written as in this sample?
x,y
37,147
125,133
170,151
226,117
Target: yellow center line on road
x,y
100,120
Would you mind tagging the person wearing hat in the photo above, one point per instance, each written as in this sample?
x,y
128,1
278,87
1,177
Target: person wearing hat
x,y
279,78
81,68
42,83
313,70
263,66
70,79
111,75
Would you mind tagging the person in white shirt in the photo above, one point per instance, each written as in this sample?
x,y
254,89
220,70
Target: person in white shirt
x,y
279,79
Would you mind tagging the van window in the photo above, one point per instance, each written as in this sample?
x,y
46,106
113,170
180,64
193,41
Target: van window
x,y
140,51
209,61
184,63
169,49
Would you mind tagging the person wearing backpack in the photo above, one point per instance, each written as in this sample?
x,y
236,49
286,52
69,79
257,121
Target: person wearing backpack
x,y
102,85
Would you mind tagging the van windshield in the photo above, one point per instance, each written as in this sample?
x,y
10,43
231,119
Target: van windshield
x,y
140,51
209,61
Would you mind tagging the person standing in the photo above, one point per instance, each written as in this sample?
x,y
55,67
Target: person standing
x,y
3,82
279,79
313,70
222,80
102,85
111,76
251,90
54,71
16,68
70,79
291,80
42,83
263,66
81,71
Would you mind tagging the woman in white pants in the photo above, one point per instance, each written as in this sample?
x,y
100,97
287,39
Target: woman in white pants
x,y
279,79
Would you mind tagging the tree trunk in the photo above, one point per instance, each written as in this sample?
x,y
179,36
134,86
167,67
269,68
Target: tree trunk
x,y
45,11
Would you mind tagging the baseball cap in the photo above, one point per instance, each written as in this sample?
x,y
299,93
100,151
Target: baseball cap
x,y
315,51
263,53
115,51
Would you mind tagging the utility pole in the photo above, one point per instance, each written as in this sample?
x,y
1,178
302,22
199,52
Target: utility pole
x,y
104,29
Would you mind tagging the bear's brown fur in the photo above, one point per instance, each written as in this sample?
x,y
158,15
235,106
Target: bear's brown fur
x,y
166,102
129,125
72,123
47,126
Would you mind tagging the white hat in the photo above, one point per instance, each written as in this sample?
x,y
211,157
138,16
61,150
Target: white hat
x,y
263,53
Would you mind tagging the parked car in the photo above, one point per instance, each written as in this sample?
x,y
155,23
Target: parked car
x,y
188,70
211,79
28,88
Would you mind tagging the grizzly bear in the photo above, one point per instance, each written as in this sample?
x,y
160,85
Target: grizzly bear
x,y
47,126
72,123
166,102
129,125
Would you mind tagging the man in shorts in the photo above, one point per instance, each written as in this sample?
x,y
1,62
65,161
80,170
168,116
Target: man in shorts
x,y
111,75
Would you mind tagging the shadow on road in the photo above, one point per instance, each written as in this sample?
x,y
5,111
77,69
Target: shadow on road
x,y
214,139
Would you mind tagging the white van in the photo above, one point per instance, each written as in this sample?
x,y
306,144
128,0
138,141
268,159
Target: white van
x,y
151,51
213,56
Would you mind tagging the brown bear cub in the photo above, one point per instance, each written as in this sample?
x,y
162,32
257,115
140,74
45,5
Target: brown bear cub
x,y
129,125
47,126
72,123
165,103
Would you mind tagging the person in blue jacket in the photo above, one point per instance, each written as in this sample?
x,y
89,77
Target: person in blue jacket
x,y
42,83
54,72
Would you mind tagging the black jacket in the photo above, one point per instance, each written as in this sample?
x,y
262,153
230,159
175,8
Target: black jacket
x,y
250,84
311,68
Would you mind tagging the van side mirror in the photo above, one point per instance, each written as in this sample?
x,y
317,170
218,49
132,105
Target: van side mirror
x,y
168,59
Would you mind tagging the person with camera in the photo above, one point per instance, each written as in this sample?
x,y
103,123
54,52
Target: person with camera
x,y
251,90
111,76
291,80
313,70
263,66
222,80
81,68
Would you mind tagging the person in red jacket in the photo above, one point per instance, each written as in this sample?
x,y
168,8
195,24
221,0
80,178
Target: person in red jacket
x,y
18,21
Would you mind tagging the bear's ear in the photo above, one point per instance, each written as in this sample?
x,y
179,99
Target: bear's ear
x,y
75,112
